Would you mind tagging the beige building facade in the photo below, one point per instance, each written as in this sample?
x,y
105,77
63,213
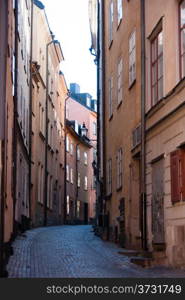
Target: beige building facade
x,y
48,102
122,117
165,130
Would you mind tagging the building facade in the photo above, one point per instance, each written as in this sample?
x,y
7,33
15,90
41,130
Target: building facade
x,y
75,110
77,177
165,130
48,101
141,87
23,17
6,130
122,119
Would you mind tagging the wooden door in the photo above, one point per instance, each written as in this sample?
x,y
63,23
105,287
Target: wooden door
x,y
158,202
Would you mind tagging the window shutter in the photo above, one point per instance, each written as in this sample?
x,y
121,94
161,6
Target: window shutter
x,y
183,174
175,185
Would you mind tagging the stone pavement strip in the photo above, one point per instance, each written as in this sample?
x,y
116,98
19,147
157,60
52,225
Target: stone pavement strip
x,y
74,252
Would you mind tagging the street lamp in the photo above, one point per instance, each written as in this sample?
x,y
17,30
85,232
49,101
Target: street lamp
x,y
84,130
46,131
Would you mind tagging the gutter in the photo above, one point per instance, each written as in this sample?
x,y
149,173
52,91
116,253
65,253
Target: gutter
x,y
4,40
30,114
143,134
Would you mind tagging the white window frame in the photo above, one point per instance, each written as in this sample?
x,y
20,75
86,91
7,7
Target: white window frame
x,y
85,183
78,153
119,160
119,10
85,158
72,181
132,58
94,128
111,96
111,21
78,181
109,176
67,172
67,205
120,81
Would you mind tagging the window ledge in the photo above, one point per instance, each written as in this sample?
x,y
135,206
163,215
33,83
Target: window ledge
x,y
110,44
132,84
111,117
119,24
118,106
119,189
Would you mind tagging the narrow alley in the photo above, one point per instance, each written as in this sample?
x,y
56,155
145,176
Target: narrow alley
x,y
74,252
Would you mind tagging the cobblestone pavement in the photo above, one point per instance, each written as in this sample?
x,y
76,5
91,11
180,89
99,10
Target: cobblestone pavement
x,y
74,252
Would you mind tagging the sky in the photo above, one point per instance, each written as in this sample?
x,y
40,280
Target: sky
x,y
69,21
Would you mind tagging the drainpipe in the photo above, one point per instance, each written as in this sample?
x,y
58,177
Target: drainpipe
x,y
4,26
65,160
46,131
30,114
76,179
143,133
15,119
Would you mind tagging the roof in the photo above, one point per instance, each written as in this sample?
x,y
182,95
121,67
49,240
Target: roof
x,y
39,4
84,140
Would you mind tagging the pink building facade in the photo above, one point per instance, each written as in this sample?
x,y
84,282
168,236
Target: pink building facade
x,y
82,114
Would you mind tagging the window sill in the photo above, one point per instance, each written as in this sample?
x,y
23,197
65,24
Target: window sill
x,y
119,189
132,84
118,106
119,24
108,197
110,44
111,117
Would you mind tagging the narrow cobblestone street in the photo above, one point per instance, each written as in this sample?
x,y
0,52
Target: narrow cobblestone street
x,y
74,252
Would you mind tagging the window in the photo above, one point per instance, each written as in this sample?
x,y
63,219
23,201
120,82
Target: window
x,y
110,95
111,19
41,119
71,148
120,11
109,176
85,158
68,205
120,67
94,183
136,136
94,128
78,153
71,175
119,168
132,58
78,182
157,68
67,144
51,192
94,155
67,172
40,183
85,183
177,166
182,39
78,209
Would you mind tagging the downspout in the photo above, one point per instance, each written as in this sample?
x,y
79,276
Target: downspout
x,y
65,162
98,114
30,114
15,120
76,179
143,133
46,141
3,147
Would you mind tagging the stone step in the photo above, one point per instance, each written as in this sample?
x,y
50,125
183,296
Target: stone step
x,y
142,261
129,252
